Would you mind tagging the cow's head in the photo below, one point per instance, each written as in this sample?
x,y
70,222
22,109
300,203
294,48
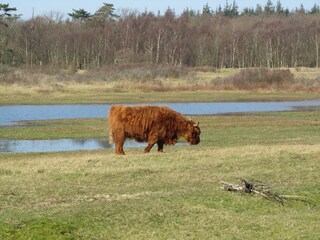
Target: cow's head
x,y
192,135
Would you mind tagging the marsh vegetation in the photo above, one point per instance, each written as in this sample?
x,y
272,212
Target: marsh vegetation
x,y
134,84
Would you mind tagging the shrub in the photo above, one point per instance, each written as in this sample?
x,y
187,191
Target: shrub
x,y
7,75
259,78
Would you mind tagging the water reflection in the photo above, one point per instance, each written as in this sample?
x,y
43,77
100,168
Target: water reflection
x,y
57,145
52,145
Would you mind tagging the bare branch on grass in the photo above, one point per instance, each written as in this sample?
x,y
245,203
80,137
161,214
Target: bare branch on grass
x,y
262,190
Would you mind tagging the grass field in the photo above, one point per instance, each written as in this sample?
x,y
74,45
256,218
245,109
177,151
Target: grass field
x,y
174,195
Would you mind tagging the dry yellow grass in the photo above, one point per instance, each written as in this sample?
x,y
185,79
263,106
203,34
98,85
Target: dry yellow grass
x,y
99,87
303,72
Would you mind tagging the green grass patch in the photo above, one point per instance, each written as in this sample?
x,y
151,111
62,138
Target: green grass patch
x,y
217,130
97,195
56,129
174,195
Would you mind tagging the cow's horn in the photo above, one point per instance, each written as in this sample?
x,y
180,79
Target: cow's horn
x,y
196,125
188,118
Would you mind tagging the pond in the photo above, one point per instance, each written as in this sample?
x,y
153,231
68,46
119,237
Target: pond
x,y
56,145
15,115
11,115
59,145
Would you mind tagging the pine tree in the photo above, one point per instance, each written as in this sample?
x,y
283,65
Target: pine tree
x,y
269,8
206,10
80,15
5,13
106,12
315,9
258,9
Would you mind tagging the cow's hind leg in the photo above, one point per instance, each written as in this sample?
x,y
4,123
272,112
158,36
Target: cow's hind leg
x,y
119,150
148,148
119,142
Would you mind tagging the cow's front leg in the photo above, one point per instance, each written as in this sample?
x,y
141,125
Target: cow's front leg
x,y
160,146
152,139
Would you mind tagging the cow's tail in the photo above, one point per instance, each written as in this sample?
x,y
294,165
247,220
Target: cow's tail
x,y
113,113
111,140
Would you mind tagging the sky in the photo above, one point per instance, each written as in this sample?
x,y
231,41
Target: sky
x,y
44,7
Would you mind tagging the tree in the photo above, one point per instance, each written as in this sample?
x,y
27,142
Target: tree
x,y
6,53
258,9
106,12
231,10
220,38
80,15
279,8
248,11
206,10
314,31
269,8
315,9
5,13
301,9
234,9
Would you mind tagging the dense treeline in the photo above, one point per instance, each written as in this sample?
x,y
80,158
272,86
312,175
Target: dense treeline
x,y
265,36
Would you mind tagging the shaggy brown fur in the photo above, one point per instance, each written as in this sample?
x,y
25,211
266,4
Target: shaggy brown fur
x,y
150,124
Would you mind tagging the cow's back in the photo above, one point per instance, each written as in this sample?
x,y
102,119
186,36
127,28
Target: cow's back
x,y
136,121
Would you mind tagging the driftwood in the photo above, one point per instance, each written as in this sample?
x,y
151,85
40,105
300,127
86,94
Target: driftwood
x,y
262,190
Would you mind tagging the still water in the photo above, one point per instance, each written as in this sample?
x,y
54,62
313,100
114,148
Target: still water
x,y
60,145
57,145
10,115
15,115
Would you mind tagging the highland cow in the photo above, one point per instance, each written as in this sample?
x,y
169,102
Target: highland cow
x,y
152,124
